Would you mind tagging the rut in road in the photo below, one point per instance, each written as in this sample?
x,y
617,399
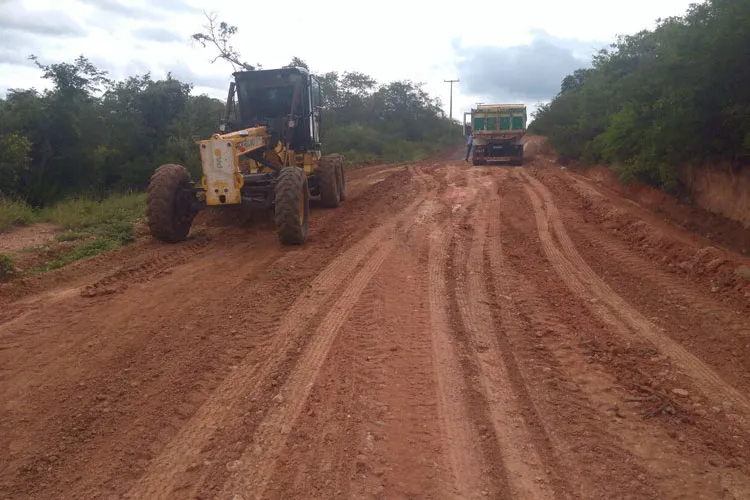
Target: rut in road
x,y
460,441
613,309
254,467
175,467
369,429
526,471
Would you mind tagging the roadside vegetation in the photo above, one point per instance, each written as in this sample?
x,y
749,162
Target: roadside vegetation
x,y
86,228
661,99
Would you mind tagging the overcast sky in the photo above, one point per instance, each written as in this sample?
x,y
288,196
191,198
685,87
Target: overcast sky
x,y
502,51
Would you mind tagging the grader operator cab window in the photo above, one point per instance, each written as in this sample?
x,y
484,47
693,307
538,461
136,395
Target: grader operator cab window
x,y
267,98
267,102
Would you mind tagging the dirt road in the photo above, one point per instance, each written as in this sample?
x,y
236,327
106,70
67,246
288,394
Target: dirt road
x,y
449,332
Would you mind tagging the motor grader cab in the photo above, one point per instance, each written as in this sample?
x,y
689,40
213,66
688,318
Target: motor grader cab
x,y
266,155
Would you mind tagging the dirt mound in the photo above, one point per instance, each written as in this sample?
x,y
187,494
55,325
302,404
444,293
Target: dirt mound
x,y
726,232
724,270
534,145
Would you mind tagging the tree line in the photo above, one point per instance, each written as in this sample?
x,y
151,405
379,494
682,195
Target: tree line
x,y
90,135
661,98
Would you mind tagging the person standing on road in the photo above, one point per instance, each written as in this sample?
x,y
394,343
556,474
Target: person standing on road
x,y
468,146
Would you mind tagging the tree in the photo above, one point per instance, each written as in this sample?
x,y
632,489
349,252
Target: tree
x,y
297,63
661,98
81,76
219,35
15,162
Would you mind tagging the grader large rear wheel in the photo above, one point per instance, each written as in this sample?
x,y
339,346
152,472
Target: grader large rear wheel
x,y
168,204
328,181
292,206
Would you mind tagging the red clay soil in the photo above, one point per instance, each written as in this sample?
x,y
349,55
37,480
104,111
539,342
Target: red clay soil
x,y
448,332
685,213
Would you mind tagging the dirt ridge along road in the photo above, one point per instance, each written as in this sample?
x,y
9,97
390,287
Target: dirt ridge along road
x,y
701,314
609,305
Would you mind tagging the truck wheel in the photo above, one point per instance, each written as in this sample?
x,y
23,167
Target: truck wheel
x,y
328,181
292,206
168,203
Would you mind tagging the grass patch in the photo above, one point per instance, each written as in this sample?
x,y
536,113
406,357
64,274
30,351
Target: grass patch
x,y
96,227
15,213
80,213
70,235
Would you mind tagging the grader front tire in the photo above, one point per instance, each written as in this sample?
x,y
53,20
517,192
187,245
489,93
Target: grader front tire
x,y
292,206
168,204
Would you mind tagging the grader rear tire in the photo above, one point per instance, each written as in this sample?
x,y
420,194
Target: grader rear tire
x,y
292,206
328,181
168,203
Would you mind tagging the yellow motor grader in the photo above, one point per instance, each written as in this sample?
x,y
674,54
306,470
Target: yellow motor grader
x,y
268,155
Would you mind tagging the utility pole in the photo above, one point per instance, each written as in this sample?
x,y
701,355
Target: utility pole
x,y
451,108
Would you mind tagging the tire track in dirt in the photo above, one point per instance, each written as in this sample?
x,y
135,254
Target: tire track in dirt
x,y
46,326
145,271
477,470
583,455
184,450
460,441
369,428
324,448
611,307
524,467
254,469
617,446
687,307
402,441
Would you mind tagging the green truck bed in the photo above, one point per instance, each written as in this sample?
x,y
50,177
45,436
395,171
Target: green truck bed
x,y
499,118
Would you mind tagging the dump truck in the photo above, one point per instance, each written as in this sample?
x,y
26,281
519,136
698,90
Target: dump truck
x,y
266,154
497,131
